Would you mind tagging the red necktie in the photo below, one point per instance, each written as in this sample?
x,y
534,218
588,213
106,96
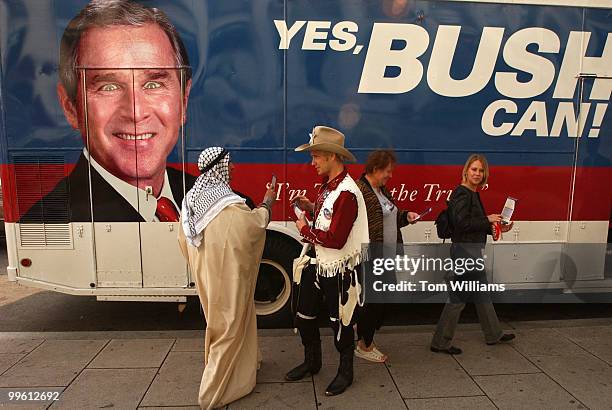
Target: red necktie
x,y
166,212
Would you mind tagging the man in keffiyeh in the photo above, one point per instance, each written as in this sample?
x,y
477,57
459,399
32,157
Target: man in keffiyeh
x,y
223,240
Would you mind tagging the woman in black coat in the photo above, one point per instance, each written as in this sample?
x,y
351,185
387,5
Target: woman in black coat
x,y
471,225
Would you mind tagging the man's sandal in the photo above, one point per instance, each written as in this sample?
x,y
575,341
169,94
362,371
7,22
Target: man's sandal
x,y
373,355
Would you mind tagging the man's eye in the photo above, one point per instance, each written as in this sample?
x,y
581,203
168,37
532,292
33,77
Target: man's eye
x,y
109,87
150,85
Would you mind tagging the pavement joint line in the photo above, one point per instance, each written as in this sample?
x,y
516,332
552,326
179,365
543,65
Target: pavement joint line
x,y
549,323
81,371
509,374
103,335
62,387
121,368
582,347
506,374
395,384
157,374
314,391
549,376
53,402
471,377
34,387
192,334
444,397
9,368
24,356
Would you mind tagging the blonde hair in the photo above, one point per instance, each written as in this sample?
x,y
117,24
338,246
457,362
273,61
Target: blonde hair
x,y
329,154
485,166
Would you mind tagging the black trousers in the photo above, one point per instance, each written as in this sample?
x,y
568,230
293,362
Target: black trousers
x,y
370,318
309,295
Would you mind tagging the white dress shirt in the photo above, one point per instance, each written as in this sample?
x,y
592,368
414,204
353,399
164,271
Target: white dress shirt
x,y
145,204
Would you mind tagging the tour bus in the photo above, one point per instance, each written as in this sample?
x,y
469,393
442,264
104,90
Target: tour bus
x,y
525,82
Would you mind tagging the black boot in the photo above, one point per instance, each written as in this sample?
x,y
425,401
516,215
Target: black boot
x,y
312,363
344,378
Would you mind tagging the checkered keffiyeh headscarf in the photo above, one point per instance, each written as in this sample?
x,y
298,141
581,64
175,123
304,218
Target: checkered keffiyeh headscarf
x,y
210,194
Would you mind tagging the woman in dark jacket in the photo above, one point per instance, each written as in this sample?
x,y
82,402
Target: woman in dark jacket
x,y
384,222
471,225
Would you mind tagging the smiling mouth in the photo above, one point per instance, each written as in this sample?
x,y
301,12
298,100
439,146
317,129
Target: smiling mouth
x,y
134,137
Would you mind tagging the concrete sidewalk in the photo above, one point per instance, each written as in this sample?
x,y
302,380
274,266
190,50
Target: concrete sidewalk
x,y
551,364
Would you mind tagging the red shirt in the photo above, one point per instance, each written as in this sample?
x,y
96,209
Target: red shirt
x,y
342,219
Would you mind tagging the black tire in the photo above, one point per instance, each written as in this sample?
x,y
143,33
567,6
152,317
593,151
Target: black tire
x,y
274,281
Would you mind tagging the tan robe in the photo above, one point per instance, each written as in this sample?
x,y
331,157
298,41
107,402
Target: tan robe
x,y
225,267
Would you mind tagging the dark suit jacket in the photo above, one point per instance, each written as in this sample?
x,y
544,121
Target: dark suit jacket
x,y
69,200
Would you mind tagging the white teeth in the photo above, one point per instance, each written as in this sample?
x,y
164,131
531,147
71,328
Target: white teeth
x,y
132,137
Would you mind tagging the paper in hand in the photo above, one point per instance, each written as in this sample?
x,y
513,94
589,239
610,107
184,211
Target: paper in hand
x,y
508,210
298,212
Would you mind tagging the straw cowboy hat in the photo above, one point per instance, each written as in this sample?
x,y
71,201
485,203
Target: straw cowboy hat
x,y
327,139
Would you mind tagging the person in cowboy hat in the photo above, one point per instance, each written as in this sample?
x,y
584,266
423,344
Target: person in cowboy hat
x,y
340,228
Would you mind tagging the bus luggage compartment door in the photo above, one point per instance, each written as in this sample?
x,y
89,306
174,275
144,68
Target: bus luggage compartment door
x,y
117,248
163,265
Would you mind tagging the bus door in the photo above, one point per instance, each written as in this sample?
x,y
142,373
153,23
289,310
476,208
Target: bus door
x,y
134,125
589,220
163,94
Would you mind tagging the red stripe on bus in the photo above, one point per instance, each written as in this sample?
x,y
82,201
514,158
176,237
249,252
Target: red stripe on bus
x,y
543,193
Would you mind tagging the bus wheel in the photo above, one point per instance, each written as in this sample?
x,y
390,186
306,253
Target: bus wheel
x,y
273,290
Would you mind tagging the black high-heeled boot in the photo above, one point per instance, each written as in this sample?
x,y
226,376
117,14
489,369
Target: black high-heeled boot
x,y
344,377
